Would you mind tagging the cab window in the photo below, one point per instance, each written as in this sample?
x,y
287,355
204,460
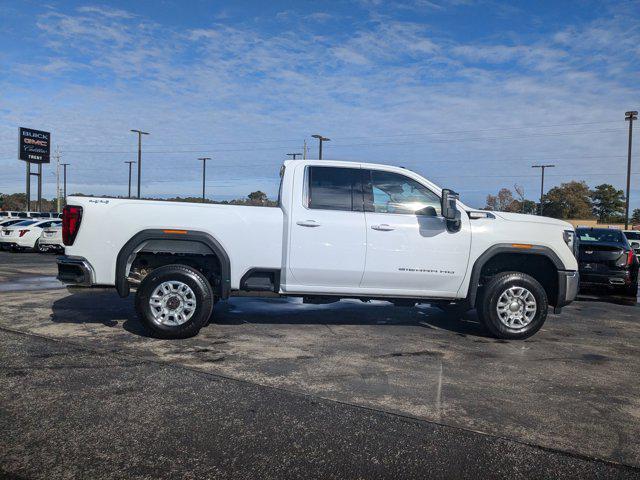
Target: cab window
x,y
334,188
390,192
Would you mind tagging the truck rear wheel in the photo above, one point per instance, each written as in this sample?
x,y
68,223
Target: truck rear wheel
x,y
174,301
513,305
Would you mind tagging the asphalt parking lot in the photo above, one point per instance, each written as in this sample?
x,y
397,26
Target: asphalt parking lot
x,y
277,389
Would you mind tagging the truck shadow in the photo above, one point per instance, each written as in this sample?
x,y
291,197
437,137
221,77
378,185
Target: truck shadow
x,y
345,312
105,307
98,306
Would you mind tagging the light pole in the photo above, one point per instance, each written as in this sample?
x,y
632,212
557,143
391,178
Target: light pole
x,y
204,173
293,155
542,183
130,162
320,140
57,157
140,133
64,181
630,117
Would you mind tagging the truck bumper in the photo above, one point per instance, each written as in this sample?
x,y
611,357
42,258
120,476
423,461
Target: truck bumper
x,y
75,271
568,284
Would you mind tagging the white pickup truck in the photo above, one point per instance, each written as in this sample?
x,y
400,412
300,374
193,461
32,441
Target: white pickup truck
x,y
342,230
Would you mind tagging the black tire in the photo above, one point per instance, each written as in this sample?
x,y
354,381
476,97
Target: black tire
x,y
488,303
200,288
38,248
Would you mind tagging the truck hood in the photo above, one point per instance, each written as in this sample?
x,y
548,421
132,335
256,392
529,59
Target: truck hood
x,y
519,217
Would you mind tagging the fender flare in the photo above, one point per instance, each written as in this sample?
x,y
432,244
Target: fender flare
x,y
498,249
202,243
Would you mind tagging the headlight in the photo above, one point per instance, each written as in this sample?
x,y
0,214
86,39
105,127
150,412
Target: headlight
x,y
571,241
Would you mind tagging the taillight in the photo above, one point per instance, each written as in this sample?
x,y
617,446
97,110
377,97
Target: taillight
x,y
71,218
21,233
630,255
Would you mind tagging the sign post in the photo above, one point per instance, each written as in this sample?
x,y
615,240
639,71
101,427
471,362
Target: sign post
x,y
34,147
28,190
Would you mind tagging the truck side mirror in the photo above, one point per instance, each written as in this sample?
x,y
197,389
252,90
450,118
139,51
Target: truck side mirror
x,y
450,210
427,212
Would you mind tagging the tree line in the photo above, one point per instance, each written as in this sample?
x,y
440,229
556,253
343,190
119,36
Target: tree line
x,y
17,201
569,200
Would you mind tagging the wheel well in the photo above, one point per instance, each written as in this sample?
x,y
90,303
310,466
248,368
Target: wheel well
x,y
151,249
144,262
539,267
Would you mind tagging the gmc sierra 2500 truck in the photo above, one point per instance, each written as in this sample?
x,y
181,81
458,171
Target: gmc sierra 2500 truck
x,y
342,230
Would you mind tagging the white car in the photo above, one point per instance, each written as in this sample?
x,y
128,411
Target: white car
x,y
29,214
25,235
9,214
51,239
44,215
341,230
633,236
7,222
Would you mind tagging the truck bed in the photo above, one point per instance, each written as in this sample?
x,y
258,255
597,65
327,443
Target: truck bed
x,y
251,235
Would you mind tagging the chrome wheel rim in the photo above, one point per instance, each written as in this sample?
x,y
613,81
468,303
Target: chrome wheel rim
x,y
516,307
172,303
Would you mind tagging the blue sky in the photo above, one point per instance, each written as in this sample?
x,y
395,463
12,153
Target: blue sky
x,y
468,93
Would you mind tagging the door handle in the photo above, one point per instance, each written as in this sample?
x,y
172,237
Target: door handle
x,y
383,227
308,223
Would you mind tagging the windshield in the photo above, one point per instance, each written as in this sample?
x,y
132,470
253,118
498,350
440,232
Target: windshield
x,y
593,235
632,235
4,214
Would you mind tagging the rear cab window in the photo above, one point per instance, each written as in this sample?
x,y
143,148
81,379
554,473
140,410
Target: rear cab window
x,y
334,188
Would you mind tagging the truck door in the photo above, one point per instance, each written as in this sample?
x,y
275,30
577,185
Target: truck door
x,y
327,232
409,249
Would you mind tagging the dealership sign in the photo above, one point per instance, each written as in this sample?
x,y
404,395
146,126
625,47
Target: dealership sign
x,y
35,145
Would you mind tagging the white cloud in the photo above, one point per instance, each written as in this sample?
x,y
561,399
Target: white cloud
x,y
531,56
349,55
105,11
321,17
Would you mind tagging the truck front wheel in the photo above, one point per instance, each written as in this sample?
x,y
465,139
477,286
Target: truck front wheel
x,y
513,305
174,301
